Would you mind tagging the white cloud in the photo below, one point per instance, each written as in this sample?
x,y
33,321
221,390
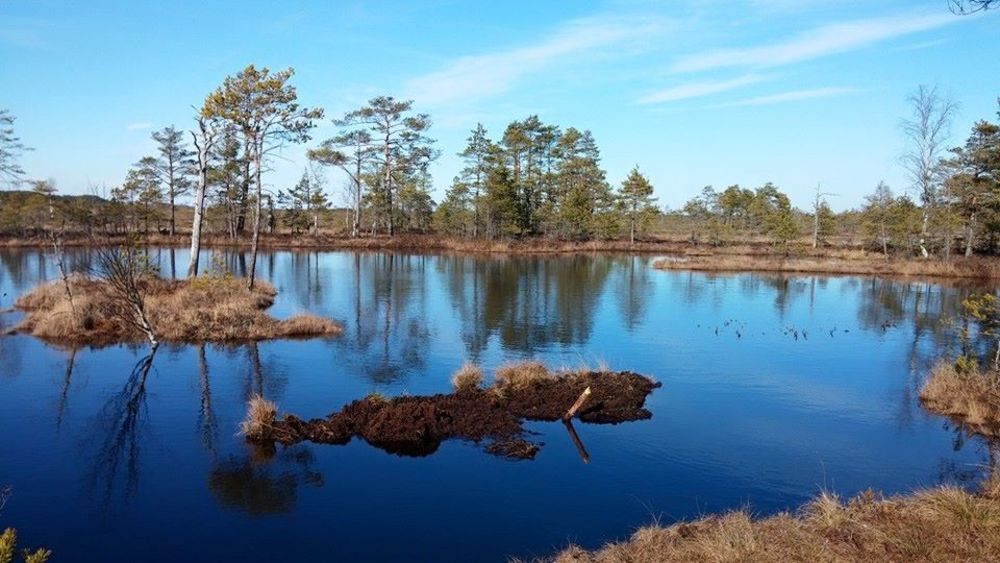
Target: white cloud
x,y
792,96
815,43
494,73
139,126
698,89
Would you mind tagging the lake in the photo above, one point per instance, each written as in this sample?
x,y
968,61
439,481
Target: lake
x,y
774,388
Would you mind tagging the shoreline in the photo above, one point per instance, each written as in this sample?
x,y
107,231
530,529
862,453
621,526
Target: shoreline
x,y
683,254
944,523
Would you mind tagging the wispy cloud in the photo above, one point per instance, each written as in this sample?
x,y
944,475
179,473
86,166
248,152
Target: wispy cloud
x,y
815,43
698,89
477,76
791,96
26,33
139,126
920,45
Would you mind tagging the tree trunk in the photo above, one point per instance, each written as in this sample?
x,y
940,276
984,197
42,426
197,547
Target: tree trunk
x,y
970,235
388,184
356,224
199,213
172,213
252,272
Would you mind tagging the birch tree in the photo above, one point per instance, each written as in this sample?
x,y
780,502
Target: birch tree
x,y
926,133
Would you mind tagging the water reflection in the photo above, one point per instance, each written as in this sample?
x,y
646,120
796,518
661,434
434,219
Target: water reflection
x,y
389,311
208,426
64,392
119,426
263,482
845,392
530,304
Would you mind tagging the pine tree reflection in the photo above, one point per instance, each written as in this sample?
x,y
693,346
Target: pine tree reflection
x,y
263,482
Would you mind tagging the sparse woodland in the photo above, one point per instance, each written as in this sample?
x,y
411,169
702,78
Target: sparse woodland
x,y
531,181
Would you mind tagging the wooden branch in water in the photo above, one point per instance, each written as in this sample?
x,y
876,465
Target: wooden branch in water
x,y
576,406
576,441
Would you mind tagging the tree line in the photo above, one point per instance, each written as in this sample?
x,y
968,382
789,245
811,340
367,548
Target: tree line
x,y
535,179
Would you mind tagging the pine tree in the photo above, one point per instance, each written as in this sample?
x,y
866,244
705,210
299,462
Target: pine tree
x,y
636,196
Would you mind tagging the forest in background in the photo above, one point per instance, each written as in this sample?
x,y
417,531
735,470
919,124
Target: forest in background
x,y
534,180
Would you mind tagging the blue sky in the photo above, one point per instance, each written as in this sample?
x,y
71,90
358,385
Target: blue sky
x,y
694,92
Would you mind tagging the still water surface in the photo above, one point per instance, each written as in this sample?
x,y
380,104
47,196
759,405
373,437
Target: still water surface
x,y
773,388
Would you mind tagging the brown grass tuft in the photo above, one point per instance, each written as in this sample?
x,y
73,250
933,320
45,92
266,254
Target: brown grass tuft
x,y
203,309
943,524
307,324
520,375
971,397
468,378
259,422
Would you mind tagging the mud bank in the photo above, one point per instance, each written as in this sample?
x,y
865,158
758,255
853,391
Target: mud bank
x,y
492,417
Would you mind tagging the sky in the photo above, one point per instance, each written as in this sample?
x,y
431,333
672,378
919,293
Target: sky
x,y
802,93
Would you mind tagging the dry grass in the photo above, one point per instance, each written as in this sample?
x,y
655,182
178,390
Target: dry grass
x,y
468,378
836,262
942,524
971,397
520,375
259,422
204,309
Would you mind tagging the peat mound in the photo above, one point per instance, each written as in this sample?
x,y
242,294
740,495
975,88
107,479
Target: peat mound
x,y
493,417
82,310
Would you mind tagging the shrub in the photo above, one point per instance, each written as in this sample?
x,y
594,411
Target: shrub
x,y
468,378
260,418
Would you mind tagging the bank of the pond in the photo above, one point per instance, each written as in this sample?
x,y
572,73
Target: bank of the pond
x,y
493,416
970,396
941,524
796,257
835,263
87,311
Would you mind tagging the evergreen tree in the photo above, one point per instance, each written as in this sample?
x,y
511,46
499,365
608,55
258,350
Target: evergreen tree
x,y
636,196
174,166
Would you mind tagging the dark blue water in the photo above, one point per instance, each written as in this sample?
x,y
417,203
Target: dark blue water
x,y
773,388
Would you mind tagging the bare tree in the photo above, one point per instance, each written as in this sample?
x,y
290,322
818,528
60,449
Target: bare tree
x,y
203,141
926,134
126,272
965,7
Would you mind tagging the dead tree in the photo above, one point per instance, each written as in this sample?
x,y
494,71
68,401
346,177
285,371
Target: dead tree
x,y
203,142
126,272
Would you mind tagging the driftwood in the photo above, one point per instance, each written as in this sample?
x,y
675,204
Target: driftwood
x,y
576,406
